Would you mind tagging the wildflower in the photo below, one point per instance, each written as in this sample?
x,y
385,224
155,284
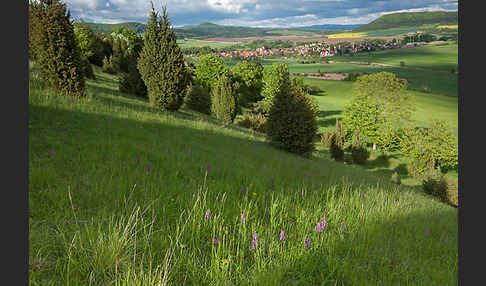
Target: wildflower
x,y
301,193
244,189
216,240
342,225
209,168
310,175
207,214
254,241
253,244
307,243
254,194
282,235
138,158
52,152
428,232
224,260
242,218
148,168
323,222
319,229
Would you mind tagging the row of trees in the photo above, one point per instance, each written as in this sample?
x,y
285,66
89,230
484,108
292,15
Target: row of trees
x,y
65,51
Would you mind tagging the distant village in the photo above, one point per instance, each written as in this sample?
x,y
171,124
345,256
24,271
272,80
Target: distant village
x,y
321,49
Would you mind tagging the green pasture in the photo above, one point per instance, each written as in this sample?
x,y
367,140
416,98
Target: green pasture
x,y
119,192
432,81
336,94
429,57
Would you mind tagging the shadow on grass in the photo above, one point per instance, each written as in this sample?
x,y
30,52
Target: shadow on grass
x,y
397,245
328,117
382,161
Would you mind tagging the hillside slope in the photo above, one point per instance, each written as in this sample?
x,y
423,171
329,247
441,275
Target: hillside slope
x,y
410,19
121,193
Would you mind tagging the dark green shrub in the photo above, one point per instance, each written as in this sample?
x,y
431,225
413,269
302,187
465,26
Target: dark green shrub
x,y
108,66
198,98
435,184
292,120
337,143
131,81
53,46
224,101
88,69
359,153
402,63
161,64
396,179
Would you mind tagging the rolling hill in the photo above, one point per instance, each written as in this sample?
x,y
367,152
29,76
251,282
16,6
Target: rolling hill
x,y
410,19
211,30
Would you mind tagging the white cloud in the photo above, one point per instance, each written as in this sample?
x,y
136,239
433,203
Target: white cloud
x,y
258,13
231,6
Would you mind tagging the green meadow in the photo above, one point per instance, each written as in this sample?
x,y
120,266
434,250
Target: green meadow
x,y
429,57
121,193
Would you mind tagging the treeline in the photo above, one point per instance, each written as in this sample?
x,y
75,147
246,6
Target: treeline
x,y
138,28
204,30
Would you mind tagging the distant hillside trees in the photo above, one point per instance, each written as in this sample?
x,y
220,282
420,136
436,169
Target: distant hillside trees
x,y
161,64
380,107
53,46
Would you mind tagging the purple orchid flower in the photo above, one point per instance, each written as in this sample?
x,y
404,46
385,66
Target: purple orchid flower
x,y
207,215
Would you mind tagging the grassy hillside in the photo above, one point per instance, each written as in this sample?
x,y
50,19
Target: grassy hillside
x,y
409,19
119,192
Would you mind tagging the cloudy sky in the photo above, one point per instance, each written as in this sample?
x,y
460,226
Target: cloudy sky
x,y
254,13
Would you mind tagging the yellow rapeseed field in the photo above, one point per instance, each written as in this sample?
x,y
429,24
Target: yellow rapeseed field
x,y
447,27
346,35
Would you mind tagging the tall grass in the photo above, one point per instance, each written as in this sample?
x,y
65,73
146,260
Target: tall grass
x,y
99,215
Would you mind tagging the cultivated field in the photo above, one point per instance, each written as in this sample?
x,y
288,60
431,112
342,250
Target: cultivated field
x,y
190,43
